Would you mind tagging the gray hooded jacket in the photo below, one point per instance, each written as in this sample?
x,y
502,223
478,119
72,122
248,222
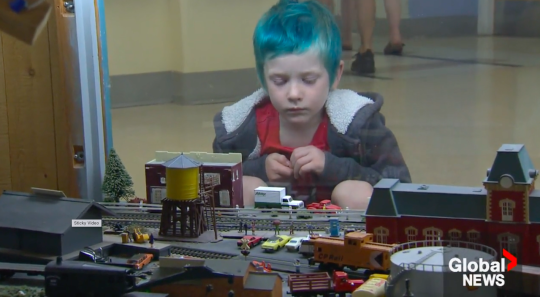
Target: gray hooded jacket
x,y
361,146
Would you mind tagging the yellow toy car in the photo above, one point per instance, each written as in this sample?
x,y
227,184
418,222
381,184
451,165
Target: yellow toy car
x,y
275,243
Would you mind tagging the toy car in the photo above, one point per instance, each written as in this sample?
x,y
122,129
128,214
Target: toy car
x,y
138,261
295,243
252,240
265,267
275,243
324,204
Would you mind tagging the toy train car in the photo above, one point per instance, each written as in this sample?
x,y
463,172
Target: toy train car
x,y
75,278
356,250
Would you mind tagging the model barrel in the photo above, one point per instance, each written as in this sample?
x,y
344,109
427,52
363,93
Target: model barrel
x,y
182,184
125,237
182,176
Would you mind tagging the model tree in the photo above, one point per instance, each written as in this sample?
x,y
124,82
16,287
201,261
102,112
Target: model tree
x,y
117,183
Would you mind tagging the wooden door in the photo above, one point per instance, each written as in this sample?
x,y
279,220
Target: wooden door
x,y
37,108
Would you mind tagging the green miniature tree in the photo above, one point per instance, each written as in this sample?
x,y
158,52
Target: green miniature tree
x,y
117,183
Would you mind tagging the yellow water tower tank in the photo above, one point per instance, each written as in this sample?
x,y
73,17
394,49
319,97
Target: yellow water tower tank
x,y
182,178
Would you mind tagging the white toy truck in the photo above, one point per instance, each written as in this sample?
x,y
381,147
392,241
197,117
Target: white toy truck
x,y
274,197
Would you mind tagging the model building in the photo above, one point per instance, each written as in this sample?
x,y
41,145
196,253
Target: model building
x,y
42,224
226,169
504,214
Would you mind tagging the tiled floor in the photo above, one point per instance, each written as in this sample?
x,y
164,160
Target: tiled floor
x,y
450,102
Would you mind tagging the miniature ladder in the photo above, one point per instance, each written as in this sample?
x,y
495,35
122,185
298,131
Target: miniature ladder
x,y
391,283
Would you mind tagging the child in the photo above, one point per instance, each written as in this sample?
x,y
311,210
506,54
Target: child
x,y
299,128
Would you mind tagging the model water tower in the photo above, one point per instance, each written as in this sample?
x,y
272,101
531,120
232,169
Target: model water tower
x,y
425,264
183,202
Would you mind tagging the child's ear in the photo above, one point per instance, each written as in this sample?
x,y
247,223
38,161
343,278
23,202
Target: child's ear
x,y
339,72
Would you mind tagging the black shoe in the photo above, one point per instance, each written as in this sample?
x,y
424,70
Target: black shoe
x,y
364,63
394,49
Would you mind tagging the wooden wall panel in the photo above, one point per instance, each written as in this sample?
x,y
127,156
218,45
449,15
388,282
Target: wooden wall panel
x,y
5,170
63,80
36,108
30,113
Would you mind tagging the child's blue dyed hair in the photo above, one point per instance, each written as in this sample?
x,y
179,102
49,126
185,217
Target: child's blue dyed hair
x,y
290,27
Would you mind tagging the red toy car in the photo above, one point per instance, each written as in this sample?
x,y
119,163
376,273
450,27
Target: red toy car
x,y
252,240
324,204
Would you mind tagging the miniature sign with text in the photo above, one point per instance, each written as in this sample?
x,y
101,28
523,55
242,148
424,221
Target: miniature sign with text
x,y
85,223
483,273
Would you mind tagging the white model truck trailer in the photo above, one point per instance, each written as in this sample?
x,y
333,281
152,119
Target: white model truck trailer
x,y
274,197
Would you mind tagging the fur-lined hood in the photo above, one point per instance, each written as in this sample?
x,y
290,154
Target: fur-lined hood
x,y
342,106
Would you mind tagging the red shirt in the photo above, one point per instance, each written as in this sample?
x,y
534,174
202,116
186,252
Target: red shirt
x,y
268,132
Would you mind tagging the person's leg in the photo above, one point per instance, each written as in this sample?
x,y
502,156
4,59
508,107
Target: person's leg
x,y
393,14
352,194
347,10
364,62
250,183
366,10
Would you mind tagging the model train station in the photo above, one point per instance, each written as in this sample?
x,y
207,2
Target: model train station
x,y
505,214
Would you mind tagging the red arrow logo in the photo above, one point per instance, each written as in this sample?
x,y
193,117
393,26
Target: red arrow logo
x,y
513,260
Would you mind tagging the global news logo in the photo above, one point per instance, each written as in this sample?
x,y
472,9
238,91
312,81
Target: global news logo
x,y
483,273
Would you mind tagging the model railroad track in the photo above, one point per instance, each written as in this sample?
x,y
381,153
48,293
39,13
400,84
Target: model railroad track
x,y
200,253
263,225
237,219
228,220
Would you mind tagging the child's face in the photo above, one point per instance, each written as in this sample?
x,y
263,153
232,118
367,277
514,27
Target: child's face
x,y
298,86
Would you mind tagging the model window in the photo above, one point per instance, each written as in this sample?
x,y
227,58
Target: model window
x,y
411,233
454,234
473,236
381,235
509,242
507,207
433,234
212,179
538,241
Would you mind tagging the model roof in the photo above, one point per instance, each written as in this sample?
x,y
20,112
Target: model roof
x,y
513,160
233,267
181,162
264,281
25,211
534,206
357,235
426,200
213,268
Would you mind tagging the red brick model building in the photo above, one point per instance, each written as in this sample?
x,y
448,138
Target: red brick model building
x,y
226,169
504,214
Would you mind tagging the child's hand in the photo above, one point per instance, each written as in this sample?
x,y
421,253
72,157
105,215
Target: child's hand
x,y
307,159
278,168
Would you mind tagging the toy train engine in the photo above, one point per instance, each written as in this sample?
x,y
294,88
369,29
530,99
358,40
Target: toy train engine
x,y
79,278
356,250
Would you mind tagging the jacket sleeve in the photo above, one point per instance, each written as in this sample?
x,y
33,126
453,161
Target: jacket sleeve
x,y
379,157
250,167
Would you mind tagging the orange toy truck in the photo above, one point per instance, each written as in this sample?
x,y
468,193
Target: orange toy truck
x,y
320,284
138,261
356,250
